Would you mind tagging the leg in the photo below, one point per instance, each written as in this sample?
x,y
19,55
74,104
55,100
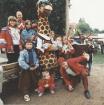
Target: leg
x,y
85,82
24,82
52,88
34,79
75,65
41,90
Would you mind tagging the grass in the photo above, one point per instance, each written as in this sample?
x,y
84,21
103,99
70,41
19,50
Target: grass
x,y
98,58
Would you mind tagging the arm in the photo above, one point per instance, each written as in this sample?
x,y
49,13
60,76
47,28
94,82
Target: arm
x,y
22,62
5,35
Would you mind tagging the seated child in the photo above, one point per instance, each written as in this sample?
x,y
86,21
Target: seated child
x,y
47,82
28,62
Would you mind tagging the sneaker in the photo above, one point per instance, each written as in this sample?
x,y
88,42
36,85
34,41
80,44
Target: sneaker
x,y
26,97
70,88
52,92
40,94
87,94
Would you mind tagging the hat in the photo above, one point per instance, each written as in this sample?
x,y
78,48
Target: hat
x,y
43,36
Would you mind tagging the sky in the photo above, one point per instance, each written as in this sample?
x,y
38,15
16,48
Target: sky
x,y
91,10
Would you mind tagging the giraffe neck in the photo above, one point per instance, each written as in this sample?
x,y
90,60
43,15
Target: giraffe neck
x,y
43,26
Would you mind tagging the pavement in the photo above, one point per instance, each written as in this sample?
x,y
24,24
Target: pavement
x,y
63,97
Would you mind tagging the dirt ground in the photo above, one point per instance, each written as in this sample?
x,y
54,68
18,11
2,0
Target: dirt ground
x,y
63,97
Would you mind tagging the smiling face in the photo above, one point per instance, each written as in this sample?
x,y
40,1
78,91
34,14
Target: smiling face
x,y
12,23
19,15
65,65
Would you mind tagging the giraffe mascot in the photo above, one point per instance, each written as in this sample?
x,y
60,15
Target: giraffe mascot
x,y
48,60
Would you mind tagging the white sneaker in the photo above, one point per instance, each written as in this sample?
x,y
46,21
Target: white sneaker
x,y
52,92
26,97
40,94
70,88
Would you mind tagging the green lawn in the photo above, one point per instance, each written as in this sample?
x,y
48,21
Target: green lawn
x,y
98,58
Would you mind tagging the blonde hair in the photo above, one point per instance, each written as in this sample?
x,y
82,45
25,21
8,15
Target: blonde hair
x,y
11,18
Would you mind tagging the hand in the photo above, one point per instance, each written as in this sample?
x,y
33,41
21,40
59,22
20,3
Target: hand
x,y
33,38
32,68
10,51
86,56
46,86
20,48
84,73
36,66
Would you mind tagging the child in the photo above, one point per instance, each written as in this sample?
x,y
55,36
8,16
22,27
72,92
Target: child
x,y
47,82
67,49
11,41
28,62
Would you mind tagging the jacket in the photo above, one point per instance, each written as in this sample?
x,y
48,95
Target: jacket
x,y
75,66
5,34
24,59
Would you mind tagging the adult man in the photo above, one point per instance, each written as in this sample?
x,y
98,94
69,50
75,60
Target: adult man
x,y
73,67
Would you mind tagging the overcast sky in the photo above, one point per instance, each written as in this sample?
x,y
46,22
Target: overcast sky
x,y
91,10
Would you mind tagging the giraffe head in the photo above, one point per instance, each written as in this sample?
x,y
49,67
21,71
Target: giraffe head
x,y
44,7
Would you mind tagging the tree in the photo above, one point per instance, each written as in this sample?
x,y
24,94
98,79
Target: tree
x,y
96,31
83,27
29,10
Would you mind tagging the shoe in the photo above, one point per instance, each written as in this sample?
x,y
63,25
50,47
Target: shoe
x,y
52,92
40,94
70,88
87,94
26,97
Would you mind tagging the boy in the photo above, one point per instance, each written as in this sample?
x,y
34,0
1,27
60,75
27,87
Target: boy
x,y
28,62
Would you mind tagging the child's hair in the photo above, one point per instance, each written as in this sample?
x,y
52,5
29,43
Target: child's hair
x,y
44,71
28,22
28,41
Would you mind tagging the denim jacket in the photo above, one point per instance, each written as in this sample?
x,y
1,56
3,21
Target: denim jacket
x,y
24,59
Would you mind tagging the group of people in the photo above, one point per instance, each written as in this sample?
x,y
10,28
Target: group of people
x,y
21,44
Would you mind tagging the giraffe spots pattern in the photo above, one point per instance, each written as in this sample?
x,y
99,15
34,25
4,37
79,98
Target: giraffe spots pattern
x,y
48,61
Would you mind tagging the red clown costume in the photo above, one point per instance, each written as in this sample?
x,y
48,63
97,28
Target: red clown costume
x,y
74,67
47,82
